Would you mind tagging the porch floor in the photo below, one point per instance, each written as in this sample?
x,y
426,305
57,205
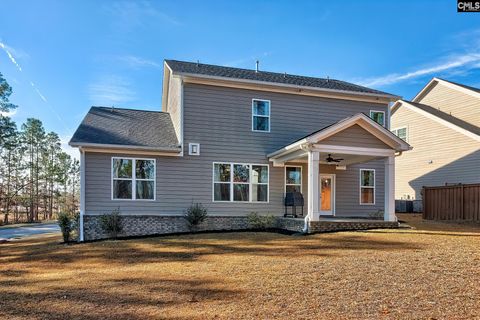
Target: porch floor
x,y
331,224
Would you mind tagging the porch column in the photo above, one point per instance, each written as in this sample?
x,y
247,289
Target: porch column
x,y
313,185
389,214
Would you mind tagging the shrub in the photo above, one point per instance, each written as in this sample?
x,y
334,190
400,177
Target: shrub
x,y
260,222
66,224
376,215
111,223
195,214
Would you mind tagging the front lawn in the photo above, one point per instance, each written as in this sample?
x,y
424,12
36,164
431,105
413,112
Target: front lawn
x,y
425,273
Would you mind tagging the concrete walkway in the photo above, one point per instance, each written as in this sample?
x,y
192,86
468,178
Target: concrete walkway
x,y
23,231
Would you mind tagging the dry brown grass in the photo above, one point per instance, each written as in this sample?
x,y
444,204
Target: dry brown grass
x,y
423,273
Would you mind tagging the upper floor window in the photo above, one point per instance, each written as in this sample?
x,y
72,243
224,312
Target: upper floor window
x,y
133,179
261,115
378,117
401,133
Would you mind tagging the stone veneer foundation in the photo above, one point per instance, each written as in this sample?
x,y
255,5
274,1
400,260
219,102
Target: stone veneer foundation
x,y
138,225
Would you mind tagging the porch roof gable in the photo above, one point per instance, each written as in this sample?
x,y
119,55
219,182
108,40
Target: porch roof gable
x,y
375,129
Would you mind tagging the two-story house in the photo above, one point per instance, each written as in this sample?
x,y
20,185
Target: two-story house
x,y
442,123
237,141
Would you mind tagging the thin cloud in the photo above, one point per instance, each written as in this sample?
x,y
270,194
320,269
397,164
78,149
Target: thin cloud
x,y
111,90
8,113
250,59
138,62
8,50
456,63
73,152
133,14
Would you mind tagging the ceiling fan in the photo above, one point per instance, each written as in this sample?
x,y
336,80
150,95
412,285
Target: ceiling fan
x,y
330,159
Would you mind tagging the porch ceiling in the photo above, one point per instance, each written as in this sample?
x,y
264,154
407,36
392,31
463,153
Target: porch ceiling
x,y
348,159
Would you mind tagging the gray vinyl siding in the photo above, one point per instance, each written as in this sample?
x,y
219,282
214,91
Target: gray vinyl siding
x,y
355,136
220,119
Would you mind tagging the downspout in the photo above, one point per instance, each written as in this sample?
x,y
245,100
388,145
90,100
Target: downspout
x,y
305,226
82,193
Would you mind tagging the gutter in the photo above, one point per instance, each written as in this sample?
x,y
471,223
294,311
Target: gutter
x,y
305,226
120,146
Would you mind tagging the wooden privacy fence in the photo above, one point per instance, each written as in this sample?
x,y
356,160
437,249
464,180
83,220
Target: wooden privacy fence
x,y
456,202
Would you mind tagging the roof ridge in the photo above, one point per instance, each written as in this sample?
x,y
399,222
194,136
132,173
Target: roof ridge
x,y
313,81
131,109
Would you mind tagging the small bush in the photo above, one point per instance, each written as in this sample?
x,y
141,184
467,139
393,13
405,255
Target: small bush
x,y
195,214
66,224
376,215
111,223
259,222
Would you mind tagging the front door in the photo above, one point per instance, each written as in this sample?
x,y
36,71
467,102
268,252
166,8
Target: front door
x,y
327,192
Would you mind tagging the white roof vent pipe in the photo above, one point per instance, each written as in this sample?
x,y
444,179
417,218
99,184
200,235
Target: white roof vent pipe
x,y
256,65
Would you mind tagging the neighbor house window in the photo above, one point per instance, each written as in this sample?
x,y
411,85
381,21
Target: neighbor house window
x,y
261,115
133,179
293,179
367,186
378,117
240,182
401,133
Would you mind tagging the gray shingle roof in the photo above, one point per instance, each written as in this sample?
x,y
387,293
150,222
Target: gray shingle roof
x,y
126,127
447,117
272,77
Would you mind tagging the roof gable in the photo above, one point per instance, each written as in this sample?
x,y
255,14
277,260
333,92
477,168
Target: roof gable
x,y
453,85
443,118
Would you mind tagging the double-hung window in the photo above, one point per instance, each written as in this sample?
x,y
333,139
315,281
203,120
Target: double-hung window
x,y
133,179
293,179
378,117
367,186
261,115
401,133
238,182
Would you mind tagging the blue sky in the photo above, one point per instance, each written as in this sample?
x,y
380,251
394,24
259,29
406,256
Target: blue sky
x,y
61,57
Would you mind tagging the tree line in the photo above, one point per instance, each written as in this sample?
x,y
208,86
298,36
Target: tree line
x,y
37,179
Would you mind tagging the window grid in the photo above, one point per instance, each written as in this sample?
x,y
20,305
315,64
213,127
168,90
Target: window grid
x,y
134,179
232,183
373,112
293,184
256,115
367,187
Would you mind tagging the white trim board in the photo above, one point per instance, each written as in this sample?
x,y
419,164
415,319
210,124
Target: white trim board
x,y
433,117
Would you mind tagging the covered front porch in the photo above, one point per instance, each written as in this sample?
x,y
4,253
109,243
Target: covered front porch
x,y
349,172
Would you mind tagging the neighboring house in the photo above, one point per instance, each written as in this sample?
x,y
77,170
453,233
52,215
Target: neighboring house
x,y
442,123
237,140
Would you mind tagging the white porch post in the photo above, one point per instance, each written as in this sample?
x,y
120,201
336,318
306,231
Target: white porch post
x,y
389,214
313,185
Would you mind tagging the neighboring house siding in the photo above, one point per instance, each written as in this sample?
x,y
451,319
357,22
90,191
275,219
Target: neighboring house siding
x,y
174,105
220,120
457,103
355,136
454,157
